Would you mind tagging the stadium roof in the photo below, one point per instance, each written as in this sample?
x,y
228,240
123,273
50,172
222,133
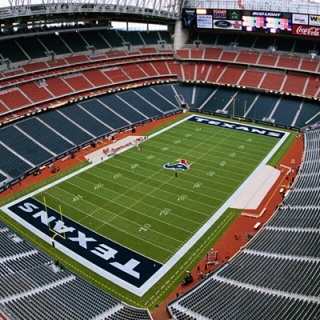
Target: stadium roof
x,y
150,4
294,6
15,10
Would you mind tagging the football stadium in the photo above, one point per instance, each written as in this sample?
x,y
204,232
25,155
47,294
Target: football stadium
x,y
159,159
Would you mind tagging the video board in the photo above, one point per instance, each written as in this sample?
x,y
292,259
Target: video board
x,y
241,20
267,22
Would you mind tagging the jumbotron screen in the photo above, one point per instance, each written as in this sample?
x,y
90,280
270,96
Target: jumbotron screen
x,y
267,22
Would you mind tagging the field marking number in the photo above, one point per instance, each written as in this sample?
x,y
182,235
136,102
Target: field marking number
x,y
77,197
98,186
182,197
165,211
145,227
197,185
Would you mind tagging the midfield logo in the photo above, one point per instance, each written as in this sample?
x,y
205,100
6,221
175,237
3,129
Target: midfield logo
x,y
181,165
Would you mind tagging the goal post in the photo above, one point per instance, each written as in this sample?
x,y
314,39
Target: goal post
x,y
55,233
239,117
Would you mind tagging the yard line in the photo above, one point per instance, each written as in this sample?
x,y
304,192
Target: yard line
x,y
117,215
146,204
118,195
113,226
206,145
176,187
190,171
177,195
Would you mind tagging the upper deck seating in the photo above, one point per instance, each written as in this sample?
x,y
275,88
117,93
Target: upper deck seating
x,y
132,37
284,44
74,41
10,50
227,39
303,46
112,37
32,47
207,38
165,36
264,42
151,37
94,38
246,41
54,44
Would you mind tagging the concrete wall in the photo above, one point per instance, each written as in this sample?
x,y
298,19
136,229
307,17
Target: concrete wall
x,y
180,35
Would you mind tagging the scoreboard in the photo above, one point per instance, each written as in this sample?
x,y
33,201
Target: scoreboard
x,y
266,24
307,25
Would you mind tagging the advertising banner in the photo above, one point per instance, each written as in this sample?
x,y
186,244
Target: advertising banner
x,y
204,21
266,14
234,15
189,18
227,24
300,19
219,14
314,20
309,31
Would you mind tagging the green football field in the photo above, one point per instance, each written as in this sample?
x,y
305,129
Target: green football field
x,y
169,216
133,200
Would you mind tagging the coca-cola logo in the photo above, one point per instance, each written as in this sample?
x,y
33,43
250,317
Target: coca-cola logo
x,y
223,24
307,31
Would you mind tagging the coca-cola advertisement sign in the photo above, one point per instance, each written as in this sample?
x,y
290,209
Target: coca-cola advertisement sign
x,y
307,31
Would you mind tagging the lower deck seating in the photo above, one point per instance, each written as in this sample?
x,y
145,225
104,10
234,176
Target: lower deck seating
x,y
33,286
